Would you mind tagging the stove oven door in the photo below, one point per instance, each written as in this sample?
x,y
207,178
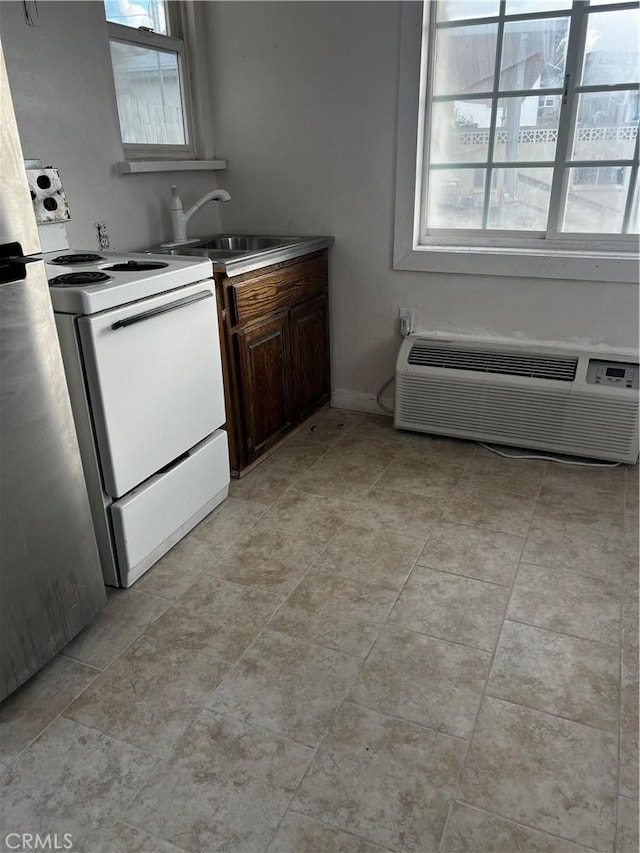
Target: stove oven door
x,y
154,381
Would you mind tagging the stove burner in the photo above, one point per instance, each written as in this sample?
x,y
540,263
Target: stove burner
x,y
70,279
137,266
79,258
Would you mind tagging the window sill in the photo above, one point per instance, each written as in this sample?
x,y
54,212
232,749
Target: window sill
x,y
132,167
519,263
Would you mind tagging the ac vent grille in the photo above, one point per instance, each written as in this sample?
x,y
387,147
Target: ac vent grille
x,y
536,366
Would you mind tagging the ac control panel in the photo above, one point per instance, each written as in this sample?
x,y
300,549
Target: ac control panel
x,y
615,374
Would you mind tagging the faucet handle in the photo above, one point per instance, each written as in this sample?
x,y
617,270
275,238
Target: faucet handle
x,y
176,201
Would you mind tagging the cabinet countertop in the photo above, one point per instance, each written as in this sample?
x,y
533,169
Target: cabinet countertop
x,y
233,263
266,258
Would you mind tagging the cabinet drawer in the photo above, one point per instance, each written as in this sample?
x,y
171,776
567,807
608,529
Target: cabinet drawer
x,y
276,288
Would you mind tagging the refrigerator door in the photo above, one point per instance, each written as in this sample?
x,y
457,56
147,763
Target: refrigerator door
x,y
17,222
50,579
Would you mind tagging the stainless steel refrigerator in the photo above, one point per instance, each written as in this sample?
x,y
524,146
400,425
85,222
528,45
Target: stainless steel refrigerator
x,y
51,583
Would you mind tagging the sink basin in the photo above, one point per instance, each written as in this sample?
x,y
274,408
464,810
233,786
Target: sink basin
x,y
229,245
238,253
198,250
244,243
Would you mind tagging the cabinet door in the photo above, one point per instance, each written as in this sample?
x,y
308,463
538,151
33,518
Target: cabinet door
x,y
263,359
310,356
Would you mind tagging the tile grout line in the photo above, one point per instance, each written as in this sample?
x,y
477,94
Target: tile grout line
x,y
355,679
336,715
151,834
486,683
226,715
485,693
364,464
505,619
292,591
621,676
609,732
324,737
397,626
98,672
160,758
275,613
254,641
319,820
62,654
400,719
356,580
357,674
260,516
570,570
58,716
416,564
574,573
104,671
500,816
606,643
460,574
338,710
235,664
142,635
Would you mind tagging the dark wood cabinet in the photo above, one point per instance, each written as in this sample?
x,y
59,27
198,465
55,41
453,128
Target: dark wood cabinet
x,y
309,355
275,349
263,361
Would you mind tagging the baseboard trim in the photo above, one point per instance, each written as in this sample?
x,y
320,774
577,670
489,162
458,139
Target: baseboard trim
x,y
356,401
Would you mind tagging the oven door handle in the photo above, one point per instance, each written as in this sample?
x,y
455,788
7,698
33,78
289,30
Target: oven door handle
x,y
162,309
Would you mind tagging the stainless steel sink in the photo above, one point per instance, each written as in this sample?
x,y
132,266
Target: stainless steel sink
x,y
244,242
197,250
229,245
237,253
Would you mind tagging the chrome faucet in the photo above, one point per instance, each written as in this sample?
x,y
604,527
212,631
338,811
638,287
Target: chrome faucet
x,y
180,219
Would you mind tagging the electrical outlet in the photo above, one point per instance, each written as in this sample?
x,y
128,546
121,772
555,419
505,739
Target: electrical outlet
x,y
406,321
103,236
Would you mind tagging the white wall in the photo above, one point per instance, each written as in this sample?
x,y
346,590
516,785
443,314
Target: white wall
x,y
305,100
62,87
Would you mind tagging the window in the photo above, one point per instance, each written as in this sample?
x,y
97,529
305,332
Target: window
x,y
148,60
526,136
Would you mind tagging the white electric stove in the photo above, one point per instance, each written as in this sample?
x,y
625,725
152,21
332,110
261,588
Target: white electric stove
x,y
86,282
140,343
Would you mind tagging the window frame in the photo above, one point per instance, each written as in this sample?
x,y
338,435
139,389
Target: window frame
x,y
174,42
490,252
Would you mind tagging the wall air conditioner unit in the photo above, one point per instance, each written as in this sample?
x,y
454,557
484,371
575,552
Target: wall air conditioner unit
x,y
549,398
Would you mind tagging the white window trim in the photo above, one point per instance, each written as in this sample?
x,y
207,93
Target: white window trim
x,y
185,19
594,263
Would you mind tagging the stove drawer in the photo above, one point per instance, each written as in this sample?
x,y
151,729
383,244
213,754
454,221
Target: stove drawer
x,y
150,520
154,381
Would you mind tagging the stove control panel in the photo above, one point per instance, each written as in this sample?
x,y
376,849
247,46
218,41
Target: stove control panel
x,y
615,374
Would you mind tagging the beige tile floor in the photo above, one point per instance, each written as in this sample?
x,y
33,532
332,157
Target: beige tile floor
x,y
380,641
